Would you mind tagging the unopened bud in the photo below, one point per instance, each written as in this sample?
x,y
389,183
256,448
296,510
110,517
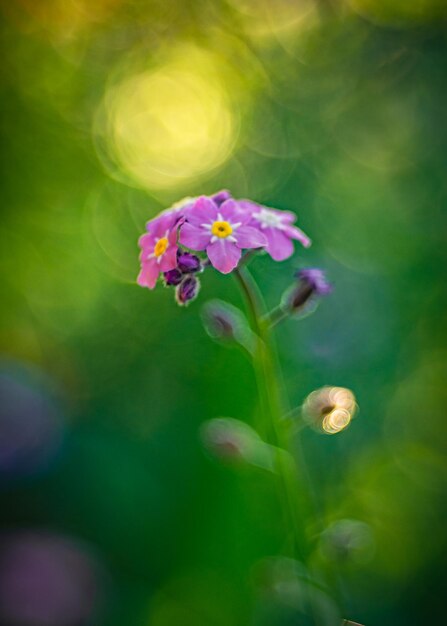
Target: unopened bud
x,y
221,320
236,443
226,323
220,197
225,439
188,263
311,282
173,277
187,290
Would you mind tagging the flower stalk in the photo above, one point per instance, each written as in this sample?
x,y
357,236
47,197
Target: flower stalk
x,y
219,232
272,409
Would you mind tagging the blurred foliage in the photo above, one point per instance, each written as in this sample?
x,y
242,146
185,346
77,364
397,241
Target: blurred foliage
x,y
112,110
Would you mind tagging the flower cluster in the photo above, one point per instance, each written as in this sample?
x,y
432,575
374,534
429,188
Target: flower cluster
x,y
220,228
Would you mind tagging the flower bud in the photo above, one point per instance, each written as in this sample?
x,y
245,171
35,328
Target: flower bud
x,y
235,443
221,320
316,279
188,263
220,197
225,439
311,282
226,323
187,290
173,277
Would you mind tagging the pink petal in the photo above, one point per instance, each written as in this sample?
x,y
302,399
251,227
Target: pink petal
x,y
168,222
146,241
224,255
296,233
279,246
249,237
232,212
249,206
287,216
194,237
169,259
172,237
148,274
204,211
177,211
158,226
152,224
144,254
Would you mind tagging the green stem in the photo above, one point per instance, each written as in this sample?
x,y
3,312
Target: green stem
x,y
272,409
252,297
277,315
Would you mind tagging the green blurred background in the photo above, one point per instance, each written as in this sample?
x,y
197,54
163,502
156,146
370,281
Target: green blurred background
x,y
111,111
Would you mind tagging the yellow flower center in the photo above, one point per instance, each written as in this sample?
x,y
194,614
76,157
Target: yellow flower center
x,y
160,246
221,229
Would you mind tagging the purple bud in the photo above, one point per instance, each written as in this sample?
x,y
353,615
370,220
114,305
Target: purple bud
x,y
173,277
312,282
316,279
188,263
220,197
187,290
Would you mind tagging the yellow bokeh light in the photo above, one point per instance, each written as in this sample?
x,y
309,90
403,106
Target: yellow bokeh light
x,y
169,125
336,420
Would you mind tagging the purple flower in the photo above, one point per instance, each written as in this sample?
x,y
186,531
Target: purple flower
x,y
220,230
277,226
187,290
158,249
